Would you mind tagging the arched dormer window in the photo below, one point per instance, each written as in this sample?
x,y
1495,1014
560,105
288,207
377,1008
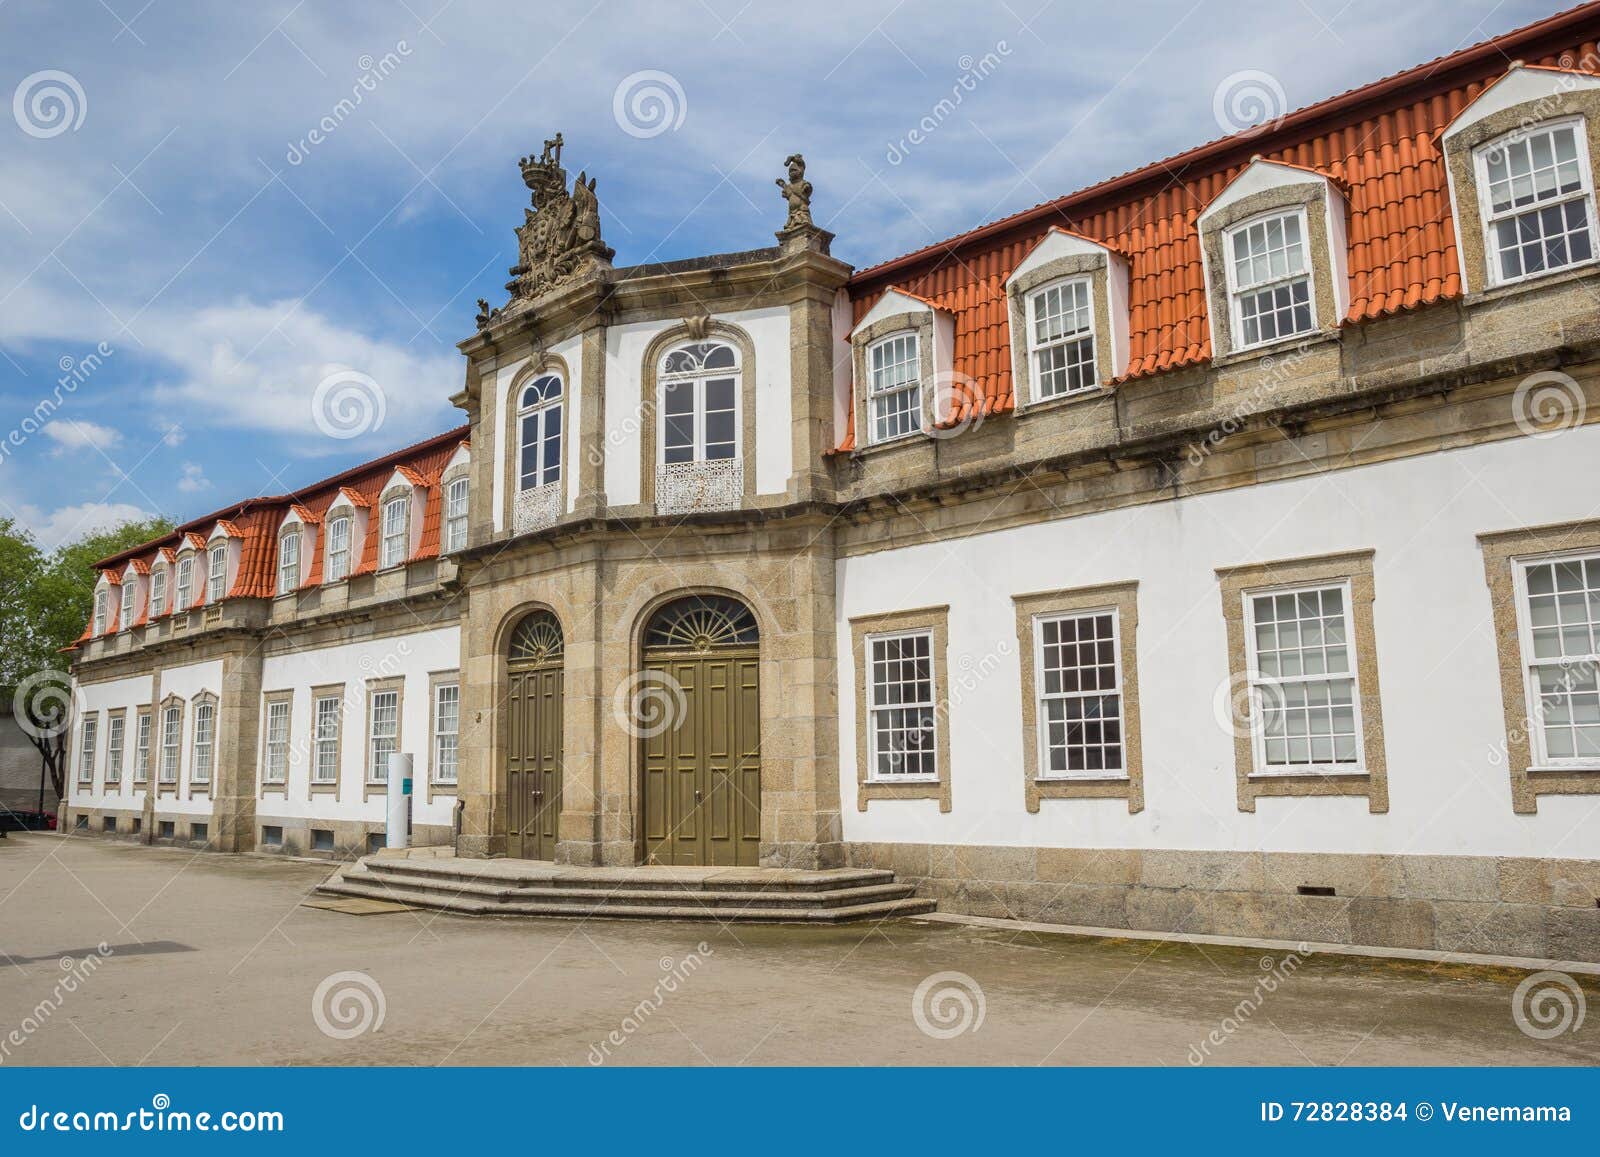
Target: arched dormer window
x,y
217,572
894,387
130,598
699,385
905,382
289,561
158,590
540,422
102,603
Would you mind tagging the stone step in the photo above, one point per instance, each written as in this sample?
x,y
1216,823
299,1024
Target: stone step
x,y
499,893
875,910
511,873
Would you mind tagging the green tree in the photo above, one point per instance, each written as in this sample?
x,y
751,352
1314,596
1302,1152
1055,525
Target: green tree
x,y
45,602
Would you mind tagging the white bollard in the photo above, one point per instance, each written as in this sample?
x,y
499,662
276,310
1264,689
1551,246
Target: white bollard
x,y
399,826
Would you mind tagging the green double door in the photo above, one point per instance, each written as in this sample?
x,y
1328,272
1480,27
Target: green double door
x,y
533,762
702,760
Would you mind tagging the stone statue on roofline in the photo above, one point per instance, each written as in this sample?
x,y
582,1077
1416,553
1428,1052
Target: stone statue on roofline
x,y
796,191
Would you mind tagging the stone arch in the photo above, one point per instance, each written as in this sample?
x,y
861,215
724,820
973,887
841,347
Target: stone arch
x,y
697,329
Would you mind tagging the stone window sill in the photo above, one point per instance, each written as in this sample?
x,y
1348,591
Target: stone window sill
x,y
1318,337
1063,401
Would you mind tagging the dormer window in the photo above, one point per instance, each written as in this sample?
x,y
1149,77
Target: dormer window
x,y
1269,277
337,566
1537,201
102,609
217,572
1062,338
128,599
185,587
158,592
392,545
455,516
894,395
289,563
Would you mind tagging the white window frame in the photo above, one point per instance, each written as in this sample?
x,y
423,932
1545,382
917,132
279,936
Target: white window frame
x,y
171,745
144,727
337,566
325,741
1035,347
876,397
116,740
1236,291
698,381
1041,721
1259,766
873,707
183,591
102,609
440,734
398,538
202,758
217,575
1486,213
380,774
158,592
275,754
289,562
1537,746
89,741
540,412
130,599
456,497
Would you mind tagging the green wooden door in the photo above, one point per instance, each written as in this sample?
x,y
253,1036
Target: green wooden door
x,y
533,740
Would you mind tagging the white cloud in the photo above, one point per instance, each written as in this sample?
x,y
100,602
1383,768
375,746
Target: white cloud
x,y
194,478
172,434
69,523
70,434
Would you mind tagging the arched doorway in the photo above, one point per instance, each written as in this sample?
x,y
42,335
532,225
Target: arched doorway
x,y
533,742
696,707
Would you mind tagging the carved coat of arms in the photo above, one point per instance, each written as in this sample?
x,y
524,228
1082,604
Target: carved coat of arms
x,y
560,234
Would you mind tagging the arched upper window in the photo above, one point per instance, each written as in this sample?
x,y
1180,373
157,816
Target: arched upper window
x,y
700,403
539,425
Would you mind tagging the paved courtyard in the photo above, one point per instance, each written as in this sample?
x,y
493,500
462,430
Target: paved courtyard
x,y
213,960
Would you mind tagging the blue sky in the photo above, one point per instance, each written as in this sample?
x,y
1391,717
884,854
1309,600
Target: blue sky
x,y
161,200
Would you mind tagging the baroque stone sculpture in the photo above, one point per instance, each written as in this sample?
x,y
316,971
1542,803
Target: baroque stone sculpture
x,y
797,191
560,235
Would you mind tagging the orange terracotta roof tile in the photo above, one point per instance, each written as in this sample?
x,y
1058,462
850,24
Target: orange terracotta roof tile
x,y
197,541
1378,142
140,566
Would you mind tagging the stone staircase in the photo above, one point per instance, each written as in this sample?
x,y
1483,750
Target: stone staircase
x,y
530,888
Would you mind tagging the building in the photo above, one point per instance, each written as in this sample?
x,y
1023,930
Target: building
x,y
1213,549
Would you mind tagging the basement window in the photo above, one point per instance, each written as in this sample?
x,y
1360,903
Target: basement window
x,y
376,842
82,824
109,824
167,829
199,832
272,836
136,825
322,839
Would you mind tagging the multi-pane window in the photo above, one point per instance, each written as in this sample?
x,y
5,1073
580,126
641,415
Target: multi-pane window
x,y
1539,206
86,753
217,573
185,586
289,563
392,546
141,749
384,730
277,768
116,726
455,516
102,605
204,738
700,404
1303,688
446,731
1080,695
338,562
158,592
1063,339
325,740
894,395
1561,647
1271,274
129,597
901,720
539,431
171,743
